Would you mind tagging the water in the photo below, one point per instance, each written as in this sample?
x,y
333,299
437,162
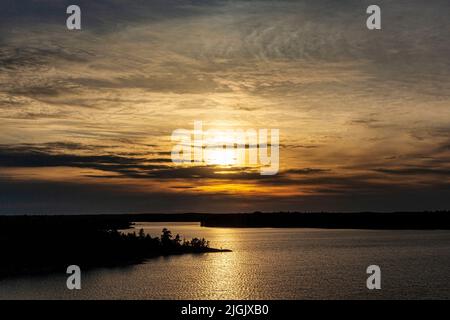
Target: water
x,y
268,264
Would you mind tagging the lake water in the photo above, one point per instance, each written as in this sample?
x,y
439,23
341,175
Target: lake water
x,y
268,264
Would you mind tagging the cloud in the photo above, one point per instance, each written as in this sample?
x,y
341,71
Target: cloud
x,y
358,111
441,172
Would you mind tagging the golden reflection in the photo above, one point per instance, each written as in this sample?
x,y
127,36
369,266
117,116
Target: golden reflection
x,y
225,267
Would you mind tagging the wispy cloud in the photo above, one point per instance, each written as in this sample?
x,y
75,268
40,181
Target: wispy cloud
x,y
357,110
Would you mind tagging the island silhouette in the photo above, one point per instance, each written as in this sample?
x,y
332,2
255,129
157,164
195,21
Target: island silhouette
x,y
48,244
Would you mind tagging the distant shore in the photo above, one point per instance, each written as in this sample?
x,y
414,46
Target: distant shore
x,y
361,220
424,220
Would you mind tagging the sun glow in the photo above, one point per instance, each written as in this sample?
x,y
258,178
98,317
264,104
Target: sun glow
x,y
222,157
237,147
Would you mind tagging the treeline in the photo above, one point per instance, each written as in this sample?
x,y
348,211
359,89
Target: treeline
x,y
167,243
432,220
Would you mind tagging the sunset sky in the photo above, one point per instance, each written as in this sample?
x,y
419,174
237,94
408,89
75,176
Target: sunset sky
x,y
86,117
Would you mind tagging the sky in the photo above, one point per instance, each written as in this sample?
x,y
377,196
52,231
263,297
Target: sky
x,y
86,117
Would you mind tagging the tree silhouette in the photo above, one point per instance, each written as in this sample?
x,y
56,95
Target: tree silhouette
x,y
166,237
177,240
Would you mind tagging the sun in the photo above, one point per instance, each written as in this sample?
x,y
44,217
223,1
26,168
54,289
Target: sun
x,y
221,157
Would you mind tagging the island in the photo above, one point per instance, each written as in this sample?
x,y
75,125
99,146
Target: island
x,y
36,245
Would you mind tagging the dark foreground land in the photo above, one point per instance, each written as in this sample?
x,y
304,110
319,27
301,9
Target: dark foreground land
x,y
45,244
